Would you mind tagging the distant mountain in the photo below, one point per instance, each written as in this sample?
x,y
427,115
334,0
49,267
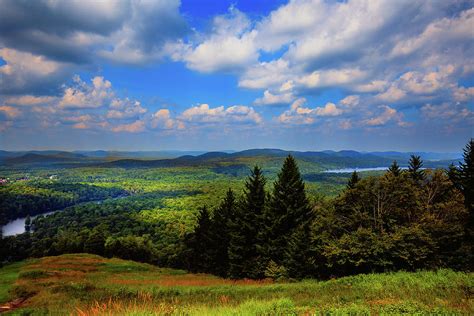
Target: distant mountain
x,y
424,155
234,162
139,154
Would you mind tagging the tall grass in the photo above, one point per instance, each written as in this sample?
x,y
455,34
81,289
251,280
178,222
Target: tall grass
x,y
91,285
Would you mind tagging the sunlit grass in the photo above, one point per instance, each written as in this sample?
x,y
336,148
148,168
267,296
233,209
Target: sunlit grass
x,y
8,276
91,285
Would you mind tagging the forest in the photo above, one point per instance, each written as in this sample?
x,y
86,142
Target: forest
x,y
268,226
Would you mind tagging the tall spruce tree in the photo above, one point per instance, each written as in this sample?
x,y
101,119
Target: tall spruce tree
x,y
298,260
220,233
28,224
201,244
414,168
353,180
394,169
466,175
244,258
288,211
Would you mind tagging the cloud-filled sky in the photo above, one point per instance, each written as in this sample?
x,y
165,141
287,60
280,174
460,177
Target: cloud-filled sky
x,y
220,75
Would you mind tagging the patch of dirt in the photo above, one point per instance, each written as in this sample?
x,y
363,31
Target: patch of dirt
x,y
8,307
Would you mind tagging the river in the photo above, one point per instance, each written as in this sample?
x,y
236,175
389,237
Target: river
x,y
17,226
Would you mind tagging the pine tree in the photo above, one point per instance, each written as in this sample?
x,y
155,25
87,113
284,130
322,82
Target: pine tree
x,y
466,175
28,224
298,259
201,244
288,210
414,168
244,259
220,230
465,179
353,180
394,169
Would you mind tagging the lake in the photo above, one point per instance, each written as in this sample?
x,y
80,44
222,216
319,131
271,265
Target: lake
x,y
17,226
350,170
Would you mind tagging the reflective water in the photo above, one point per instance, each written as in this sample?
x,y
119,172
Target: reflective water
x,y
17,226
350,170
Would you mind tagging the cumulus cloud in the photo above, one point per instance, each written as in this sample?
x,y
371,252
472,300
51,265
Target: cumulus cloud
x,y
203,113
463,94
388,114
439,33
76,31
125,108
135,127
161,119
299,114
227,48
82,95
25,72
272,99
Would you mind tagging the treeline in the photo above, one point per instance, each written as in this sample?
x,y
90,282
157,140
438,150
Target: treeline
x,y
20,200
402,220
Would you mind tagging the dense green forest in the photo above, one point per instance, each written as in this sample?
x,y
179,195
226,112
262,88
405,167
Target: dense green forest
x,y
44,196
272,225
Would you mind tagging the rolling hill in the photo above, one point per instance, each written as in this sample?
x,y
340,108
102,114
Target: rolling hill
x,y
83,284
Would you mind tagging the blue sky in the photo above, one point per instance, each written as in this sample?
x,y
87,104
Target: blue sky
x,y
220,75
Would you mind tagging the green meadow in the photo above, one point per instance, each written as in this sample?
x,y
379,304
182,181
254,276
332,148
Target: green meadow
x,y
83,284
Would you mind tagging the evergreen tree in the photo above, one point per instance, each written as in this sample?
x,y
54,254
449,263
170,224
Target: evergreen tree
x,y
466,176
220,233
244,259
298,258
288,210
353,180
201,244
394,169
414,168
28,224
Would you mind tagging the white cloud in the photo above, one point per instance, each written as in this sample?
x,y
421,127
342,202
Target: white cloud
x,y
270,98
299,114
135,127
227,48
124,109
387,115
162,119
233,114
463,94
27,72
265,74
392,94
332,77
440,32
82,95
330,109
350,101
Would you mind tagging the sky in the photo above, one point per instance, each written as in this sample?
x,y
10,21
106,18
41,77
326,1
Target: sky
x,y
232,75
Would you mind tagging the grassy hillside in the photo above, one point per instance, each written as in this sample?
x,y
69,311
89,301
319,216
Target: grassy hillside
x,y
91,285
